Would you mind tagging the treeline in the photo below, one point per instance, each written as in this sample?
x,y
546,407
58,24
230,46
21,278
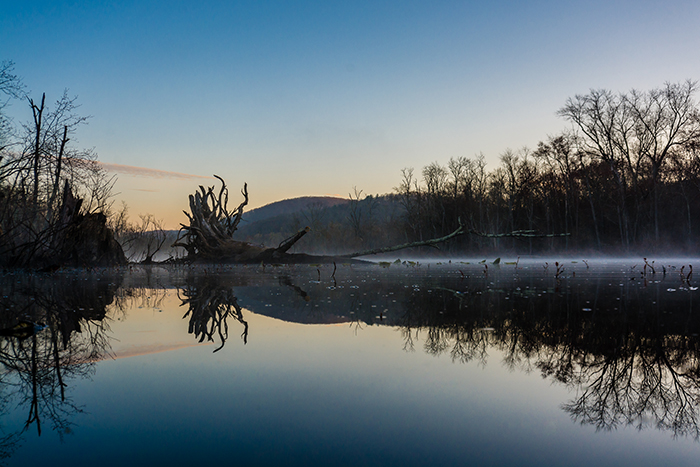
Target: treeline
x,y
625,177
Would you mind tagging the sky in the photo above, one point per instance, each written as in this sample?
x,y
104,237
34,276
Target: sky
x,y
316,98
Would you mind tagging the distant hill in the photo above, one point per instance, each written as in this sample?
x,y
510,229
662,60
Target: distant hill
x,y
290,206
337,225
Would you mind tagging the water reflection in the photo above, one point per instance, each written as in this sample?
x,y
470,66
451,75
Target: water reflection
x,y
53,332
210,305
632,364
211,301
625,345
629,351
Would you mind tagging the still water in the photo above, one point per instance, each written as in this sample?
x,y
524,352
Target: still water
x,y
460,363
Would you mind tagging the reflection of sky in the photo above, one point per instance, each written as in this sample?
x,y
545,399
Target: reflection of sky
x,y
153,325
256,91
313,395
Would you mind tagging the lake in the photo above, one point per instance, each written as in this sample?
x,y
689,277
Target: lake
x,y
398,363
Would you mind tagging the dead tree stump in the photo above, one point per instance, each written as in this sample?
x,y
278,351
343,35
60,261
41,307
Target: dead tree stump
x,y
209,235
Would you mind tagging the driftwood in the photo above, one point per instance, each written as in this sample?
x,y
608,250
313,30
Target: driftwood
x,y
208,237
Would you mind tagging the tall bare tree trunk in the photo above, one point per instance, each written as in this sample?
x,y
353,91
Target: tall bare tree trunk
x,y
38,114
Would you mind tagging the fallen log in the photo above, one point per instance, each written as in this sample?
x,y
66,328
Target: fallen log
x,y
458,232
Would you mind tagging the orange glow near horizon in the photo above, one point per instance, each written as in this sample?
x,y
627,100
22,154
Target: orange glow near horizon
x,y
165,194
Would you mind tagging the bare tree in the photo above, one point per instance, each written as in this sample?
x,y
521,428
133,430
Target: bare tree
x,y
355,215
634,134
605,121
459,179
49,187
11,86
435,178
664,119
410,198
558,155
141,241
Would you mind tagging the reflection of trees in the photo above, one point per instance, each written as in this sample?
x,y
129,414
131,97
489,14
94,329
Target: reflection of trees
x,y
647,383
131,297
38,364
629,362
211,304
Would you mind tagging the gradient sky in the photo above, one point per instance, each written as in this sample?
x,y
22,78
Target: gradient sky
x,y
314,98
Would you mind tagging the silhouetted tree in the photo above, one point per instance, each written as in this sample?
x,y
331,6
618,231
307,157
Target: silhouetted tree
x,y
49,189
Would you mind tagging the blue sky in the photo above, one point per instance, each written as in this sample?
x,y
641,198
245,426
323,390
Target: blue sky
x,y
314,98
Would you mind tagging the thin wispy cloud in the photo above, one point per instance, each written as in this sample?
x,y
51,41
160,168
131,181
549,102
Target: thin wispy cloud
x,y
152,173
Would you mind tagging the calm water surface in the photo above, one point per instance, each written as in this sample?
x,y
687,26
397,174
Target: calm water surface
x,y
405,364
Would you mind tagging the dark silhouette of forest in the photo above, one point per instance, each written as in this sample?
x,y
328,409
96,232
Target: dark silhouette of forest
x,y
625,177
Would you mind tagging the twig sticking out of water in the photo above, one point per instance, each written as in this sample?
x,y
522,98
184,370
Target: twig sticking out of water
x,y
560,270
650,266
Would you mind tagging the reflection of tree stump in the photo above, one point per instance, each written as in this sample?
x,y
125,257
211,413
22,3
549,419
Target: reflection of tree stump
x,y
210,306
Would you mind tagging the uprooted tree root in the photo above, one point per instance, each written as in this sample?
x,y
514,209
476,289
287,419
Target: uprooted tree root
x,y
208,237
